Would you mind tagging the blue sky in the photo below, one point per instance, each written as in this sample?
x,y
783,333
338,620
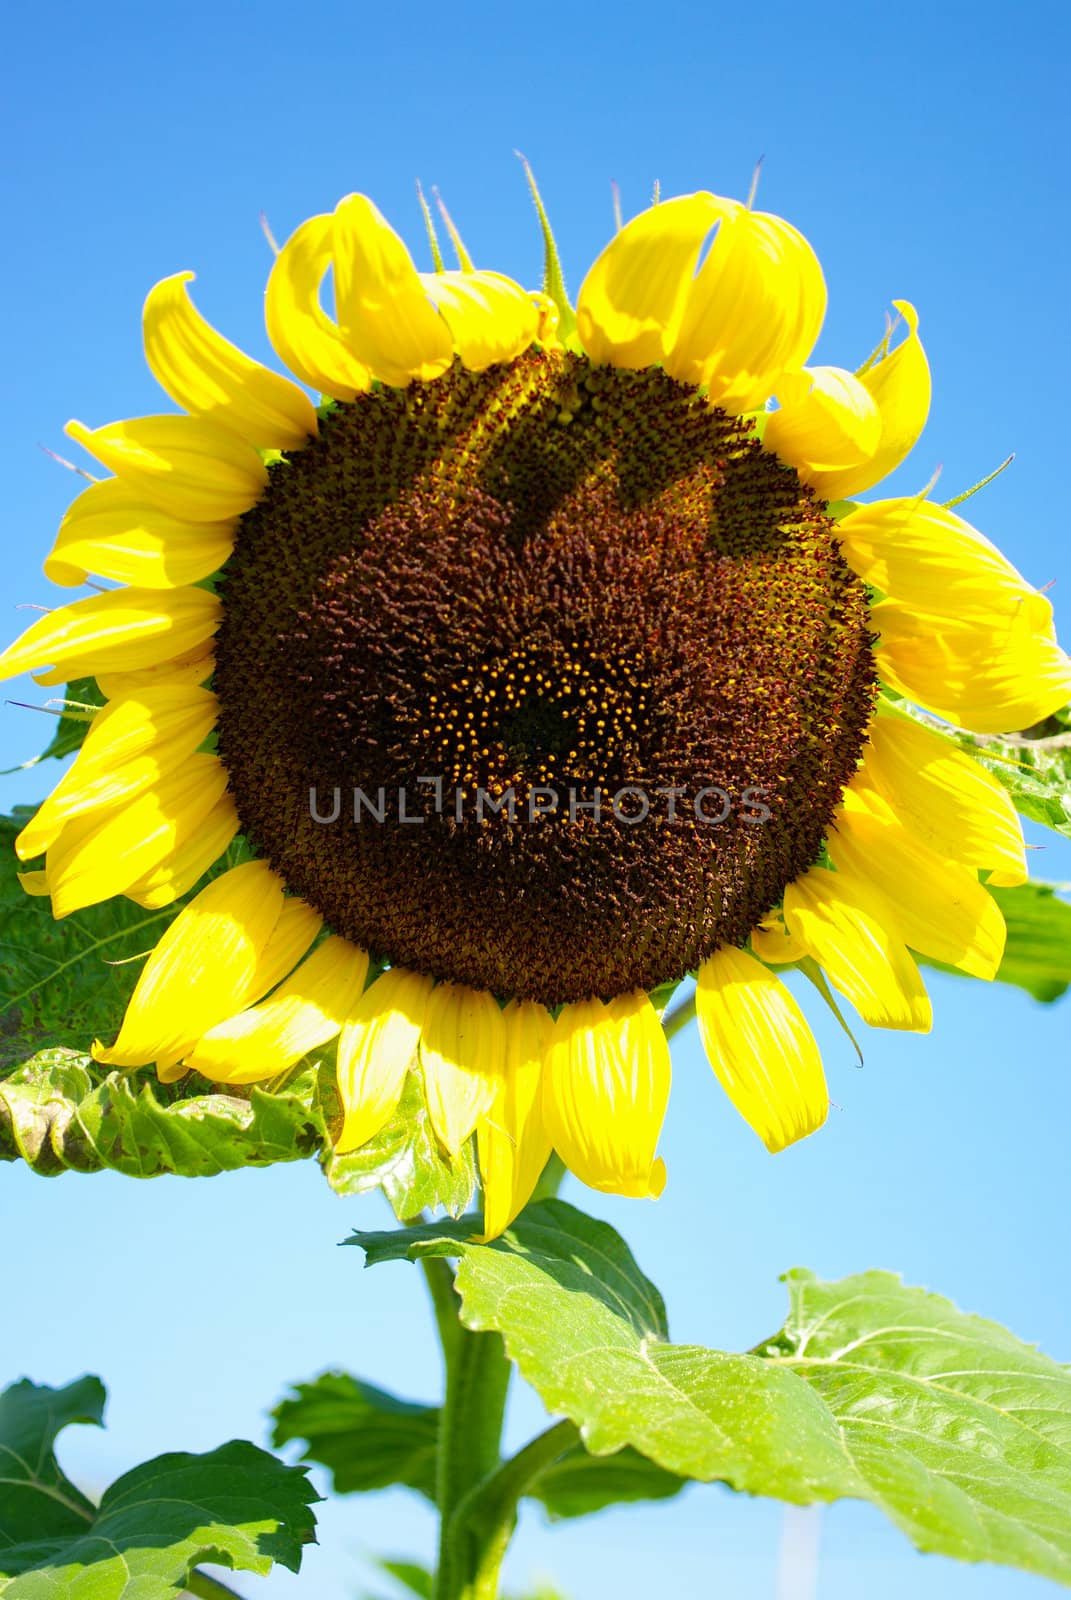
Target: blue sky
x,y
922,151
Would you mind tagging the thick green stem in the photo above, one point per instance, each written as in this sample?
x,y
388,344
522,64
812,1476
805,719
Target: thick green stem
x,y
488,1514
470,1429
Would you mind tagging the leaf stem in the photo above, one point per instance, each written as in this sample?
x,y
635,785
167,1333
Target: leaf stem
x,y
679,1017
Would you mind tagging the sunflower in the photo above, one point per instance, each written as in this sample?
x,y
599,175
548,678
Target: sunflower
x,y
549,661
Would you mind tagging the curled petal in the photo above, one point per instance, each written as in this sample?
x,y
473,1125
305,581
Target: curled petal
x,y
115,631
605,1093
112,531
194,470
210,377
844,926
899,385
201,967
376,1049
992,678
629,306
299,328
947,800
462,1050
490,317
384,313
513,1143
758,1042
753,311
304,1013
826,420
937,906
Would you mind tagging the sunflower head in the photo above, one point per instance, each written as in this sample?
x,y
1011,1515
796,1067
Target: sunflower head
x,y
547,664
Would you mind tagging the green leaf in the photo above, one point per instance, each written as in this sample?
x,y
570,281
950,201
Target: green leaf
x,y
36,1499
580,1483
365,1437
78,702
64,984
236,1506
1037,956
959,1432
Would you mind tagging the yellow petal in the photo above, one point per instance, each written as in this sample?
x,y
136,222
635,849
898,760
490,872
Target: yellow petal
x,y
629,306
992,678
490,317
773,944
513,1143
936,906
899,385
826,420
384,314
34,883
192,469
605,1092
115,631
948,800
113,532
102,853
185,866
753,311
844,927
201,967
299,328
305,1012
194,668
927,557
758,1042
130,743
462,1048
210,377
376,1049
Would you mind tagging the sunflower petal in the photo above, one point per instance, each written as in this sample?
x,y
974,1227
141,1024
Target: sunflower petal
x,y
462,1049
210,377
629,306
490,317
945,798
113,532
114,631
937,906
899,385
305,1012
758,1042
993,679
201,967
299,328
101,854
130,743
384,313
843,924
376,1049
512,1140
194,470
605,1092
753,311
187,864
826,420
191,669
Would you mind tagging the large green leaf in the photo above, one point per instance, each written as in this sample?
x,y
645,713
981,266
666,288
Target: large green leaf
x,y
236,1506
959,1432
63,984
365,1437
369,1439
1037,956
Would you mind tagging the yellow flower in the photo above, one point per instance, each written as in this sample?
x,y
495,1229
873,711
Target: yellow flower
x,y
538,669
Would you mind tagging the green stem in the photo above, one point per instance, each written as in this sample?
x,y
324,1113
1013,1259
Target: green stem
x,y
470,1429
679,1017
488,1514
206,1588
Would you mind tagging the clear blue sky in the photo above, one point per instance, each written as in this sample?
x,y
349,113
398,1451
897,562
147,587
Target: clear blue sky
x,y
922,149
